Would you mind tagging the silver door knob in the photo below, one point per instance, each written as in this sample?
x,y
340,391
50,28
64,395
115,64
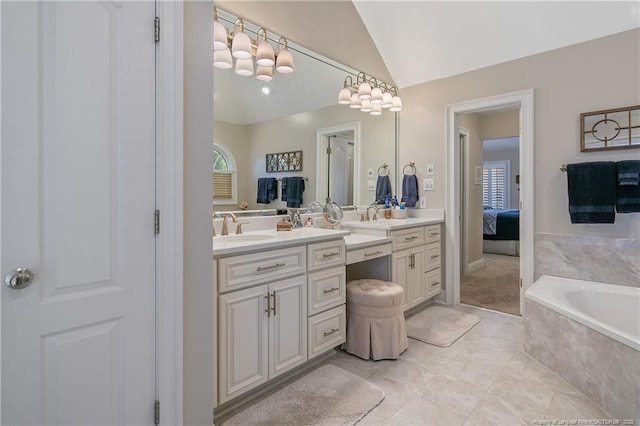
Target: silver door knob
x,y
19,278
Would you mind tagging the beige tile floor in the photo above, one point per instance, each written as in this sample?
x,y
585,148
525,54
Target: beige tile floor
x,y
484,378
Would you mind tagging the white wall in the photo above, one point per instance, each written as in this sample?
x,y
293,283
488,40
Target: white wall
x,y
198,153
567,82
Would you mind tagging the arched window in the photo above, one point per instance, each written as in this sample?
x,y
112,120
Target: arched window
x,y
225,189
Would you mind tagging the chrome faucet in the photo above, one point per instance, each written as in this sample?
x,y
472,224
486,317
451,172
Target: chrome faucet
x,y
225,229
375,213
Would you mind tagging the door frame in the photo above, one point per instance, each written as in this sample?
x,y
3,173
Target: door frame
x,y
170,189
525,101
322,142
169,81
464,199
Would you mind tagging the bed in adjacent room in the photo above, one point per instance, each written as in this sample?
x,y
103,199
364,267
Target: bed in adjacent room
x,y
501,231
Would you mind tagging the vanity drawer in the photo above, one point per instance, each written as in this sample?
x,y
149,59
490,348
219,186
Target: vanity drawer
x,y
432,234
368,253
256,268
326,289
326,330
433,282
322,255
406,238
432,256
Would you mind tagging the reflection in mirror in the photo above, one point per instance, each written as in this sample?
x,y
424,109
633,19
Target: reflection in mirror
x,y
292,116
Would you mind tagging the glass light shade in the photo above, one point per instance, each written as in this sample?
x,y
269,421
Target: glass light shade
x,y
376,96
397,104
366,106
387,100
244,67
241,46
376,109
219,36
355,101
344,97
222,59
364,91
284,62
264,55
264,73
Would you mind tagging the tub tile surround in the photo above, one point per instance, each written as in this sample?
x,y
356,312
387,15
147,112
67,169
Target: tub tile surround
x,y
597,367
430,385
600,259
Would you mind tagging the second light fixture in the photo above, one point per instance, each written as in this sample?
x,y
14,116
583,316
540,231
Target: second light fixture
x,y
369,95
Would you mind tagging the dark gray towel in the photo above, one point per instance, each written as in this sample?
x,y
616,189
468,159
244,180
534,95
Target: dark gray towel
x,y
592,192
267,190
383,188
293,190
628,172
628,188
410,190
283,188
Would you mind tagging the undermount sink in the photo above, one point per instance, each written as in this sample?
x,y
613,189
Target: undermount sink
x,y
244,237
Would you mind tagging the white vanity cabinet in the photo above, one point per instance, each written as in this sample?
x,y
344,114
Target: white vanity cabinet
x,y
277,308
432,261
408,265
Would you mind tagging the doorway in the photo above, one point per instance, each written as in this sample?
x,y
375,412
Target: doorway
x,y
524,101
490,270
342,179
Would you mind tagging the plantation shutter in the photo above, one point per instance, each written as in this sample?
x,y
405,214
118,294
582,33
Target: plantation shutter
x,y
493,186
222,185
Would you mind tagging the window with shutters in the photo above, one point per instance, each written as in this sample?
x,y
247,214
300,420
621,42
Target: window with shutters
x,y
495,188
224,176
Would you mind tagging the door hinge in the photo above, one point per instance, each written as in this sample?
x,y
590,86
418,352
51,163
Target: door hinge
x,y
156,222
156,412
520,282
329,150
156,25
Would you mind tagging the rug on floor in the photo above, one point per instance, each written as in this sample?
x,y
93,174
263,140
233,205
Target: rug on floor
x,y
326,396
440,326
496,286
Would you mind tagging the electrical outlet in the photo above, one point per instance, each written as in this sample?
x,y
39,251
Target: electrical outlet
x,y
428,184
371,185
430,170
423,203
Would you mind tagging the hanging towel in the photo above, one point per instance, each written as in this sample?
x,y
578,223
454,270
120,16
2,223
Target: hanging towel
x,y
592,192
283,188
267,190
628,172
293,190
410,190
383,188
628,188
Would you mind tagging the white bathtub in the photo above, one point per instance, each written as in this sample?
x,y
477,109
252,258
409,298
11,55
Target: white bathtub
x,y
613,310
589,334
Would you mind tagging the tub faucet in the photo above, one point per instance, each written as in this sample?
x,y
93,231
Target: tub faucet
x,y
225,229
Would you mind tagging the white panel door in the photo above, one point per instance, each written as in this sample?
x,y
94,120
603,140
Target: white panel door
x,y
341,170
78,190
288,325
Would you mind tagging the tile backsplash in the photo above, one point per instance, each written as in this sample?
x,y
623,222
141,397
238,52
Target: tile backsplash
x,y
601,259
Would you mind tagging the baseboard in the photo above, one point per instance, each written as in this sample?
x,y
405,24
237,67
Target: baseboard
x,y
475,266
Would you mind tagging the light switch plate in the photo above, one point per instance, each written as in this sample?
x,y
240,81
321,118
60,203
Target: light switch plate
x,y
371,185
423,203
428,184
430,170
369,173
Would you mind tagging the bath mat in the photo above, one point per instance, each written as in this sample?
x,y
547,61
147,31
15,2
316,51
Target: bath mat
x,y
440,326
326,396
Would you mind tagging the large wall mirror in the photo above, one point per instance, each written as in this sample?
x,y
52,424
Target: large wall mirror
x,y
292,113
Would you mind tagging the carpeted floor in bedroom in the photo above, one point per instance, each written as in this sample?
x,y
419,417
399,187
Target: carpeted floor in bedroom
x,y
496,286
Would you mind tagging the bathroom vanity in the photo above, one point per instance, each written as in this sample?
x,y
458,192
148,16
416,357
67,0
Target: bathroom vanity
x,y
416,253
281,302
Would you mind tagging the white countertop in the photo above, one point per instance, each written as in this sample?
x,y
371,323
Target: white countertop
x,y
271,239
358,241
392,224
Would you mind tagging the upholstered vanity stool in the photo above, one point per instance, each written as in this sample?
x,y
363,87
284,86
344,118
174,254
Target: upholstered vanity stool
x,y
375,319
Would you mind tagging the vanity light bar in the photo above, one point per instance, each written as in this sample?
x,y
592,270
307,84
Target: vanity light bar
x,y
369,95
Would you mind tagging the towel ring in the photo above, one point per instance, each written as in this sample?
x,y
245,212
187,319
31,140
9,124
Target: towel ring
x,y
411,164
386,169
